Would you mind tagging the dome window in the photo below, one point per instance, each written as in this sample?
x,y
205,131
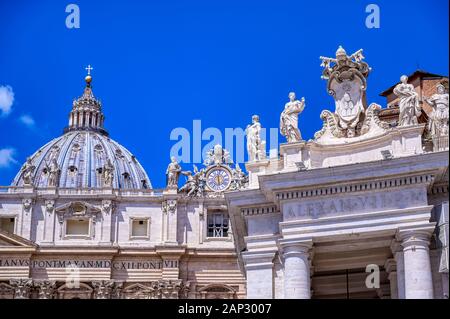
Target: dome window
x,y
119,153
73,170
76,147
126,175
98,148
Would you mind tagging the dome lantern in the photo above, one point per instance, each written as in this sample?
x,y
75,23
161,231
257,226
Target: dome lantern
x,y
86,111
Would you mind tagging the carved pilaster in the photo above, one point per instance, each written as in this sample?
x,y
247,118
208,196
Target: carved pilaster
x,y
27,203
21,288
117,290
107,207
50,206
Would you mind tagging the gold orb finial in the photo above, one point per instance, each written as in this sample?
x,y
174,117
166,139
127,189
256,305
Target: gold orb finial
x,y
88,79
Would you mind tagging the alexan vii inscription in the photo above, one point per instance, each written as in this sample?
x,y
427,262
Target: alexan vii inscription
x,y
342,205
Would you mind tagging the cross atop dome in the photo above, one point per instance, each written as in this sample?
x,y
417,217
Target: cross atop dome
x,y
88,77
89,68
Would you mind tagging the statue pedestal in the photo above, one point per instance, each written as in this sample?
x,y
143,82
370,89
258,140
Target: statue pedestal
x,y
255,169
170,191
28,189
400,141
292,153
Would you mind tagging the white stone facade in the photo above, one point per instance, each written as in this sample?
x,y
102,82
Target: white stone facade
x,y
360,211
81,220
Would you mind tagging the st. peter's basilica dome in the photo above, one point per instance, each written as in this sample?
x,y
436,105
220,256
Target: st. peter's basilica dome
x,y
84,156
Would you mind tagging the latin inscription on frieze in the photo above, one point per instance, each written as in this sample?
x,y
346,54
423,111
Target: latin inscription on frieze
x,y
115,265
343,205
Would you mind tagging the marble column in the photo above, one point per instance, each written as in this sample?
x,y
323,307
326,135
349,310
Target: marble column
x,y
417,265
391,269
397,251
259,269
297,273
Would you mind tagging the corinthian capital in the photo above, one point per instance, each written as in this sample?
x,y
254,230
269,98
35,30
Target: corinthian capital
x,y
21,288
46,288
169,206
103,288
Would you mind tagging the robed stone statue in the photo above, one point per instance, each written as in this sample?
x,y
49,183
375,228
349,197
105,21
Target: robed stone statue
x,y
289,119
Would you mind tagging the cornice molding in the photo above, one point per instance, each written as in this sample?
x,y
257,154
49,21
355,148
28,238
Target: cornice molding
x,y
262,210
441,188
307,192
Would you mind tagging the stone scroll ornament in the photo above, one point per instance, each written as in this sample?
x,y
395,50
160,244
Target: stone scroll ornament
x,y
346,77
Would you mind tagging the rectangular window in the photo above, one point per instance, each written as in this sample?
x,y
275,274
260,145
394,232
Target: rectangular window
x,y
139,228
77,227
7,224
217,225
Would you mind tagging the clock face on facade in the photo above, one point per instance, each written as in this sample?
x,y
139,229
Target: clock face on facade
x,y
218,179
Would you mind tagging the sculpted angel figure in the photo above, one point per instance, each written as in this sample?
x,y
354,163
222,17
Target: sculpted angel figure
x,y
239,179
289,118
409,103
438,122
195,183
200,178
190,185
173,173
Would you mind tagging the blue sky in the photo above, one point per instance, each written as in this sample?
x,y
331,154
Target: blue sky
x,y
159,65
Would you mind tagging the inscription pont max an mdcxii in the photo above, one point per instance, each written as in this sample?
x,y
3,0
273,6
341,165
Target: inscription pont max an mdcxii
x,y
115,265
342,205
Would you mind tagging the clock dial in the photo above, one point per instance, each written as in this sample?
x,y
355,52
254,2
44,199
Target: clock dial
x,y
218,179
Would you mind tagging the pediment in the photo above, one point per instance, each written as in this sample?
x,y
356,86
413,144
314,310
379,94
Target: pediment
x,y
12,240
78,207
137,288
